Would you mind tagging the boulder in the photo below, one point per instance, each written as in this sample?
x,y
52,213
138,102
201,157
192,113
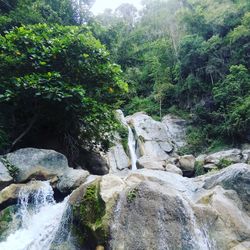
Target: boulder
x,y
149,162
233,155
111,186
155,150
176,128
235,177
147,128
187,163
152,209
173,169
71,180
153,137
117,158
94,162
35,163
246,155
5,178
152,216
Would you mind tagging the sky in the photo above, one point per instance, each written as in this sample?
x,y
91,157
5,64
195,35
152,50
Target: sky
x,y
100,5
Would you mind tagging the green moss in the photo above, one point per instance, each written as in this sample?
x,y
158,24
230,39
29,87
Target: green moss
x,y
123,132
199,168
89,226
132,195
223,163
12,169
6,216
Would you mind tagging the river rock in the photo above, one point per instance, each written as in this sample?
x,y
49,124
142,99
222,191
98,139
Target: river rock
x,y
235,177
187,163
176,128
5,178
233,155
246,155
173,169
149,162
71,179
35,163
117,158
206,212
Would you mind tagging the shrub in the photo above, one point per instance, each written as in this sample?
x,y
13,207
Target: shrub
x,y
223,163
199,168
58,79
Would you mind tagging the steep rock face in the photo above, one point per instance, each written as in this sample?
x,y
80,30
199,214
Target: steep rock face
x,y
235,177
176,128
152,136
117,158
156,142
150,217
151,209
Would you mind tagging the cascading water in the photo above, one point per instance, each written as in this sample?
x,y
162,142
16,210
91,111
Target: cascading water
x,y
131,140
131,146
42,220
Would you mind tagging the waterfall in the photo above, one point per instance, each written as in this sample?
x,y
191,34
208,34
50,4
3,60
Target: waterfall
x,y
131,140
131,146
42,220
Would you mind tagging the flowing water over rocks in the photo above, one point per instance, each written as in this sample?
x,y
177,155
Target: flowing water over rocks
x,y
153,208
42,220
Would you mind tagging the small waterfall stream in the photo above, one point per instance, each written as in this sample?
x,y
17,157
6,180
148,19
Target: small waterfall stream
x,y
131,140
42,220
131,145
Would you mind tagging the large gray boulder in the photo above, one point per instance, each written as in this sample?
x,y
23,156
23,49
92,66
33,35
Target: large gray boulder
x,y
152,217
150,163
117,158
5,178
152,209
35,163
235,177
153,137
187,164
176,128
233,155
71,179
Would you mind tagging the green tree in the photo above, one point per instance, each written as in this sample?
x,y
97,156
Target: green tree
x,y
57,81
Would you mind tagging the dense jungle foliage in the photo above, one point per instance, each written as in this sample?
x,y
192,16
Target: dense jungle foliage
x,y
189,57
60,81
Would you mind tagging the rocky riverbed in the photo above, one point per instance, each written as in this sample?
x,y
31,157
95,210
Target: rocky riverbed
x,y
154,207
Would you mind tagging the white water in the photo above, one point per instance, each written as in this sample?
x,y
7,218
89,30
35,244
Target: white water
x,y
131,140
41,220
131,146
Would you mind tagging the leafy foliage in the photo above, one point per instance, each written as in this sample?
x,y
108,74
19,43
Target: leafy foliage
x,y
61,79
190,55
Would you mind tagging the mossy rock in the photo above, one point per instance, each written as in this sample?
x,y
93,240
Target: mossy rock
x,y
6,217
89,224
